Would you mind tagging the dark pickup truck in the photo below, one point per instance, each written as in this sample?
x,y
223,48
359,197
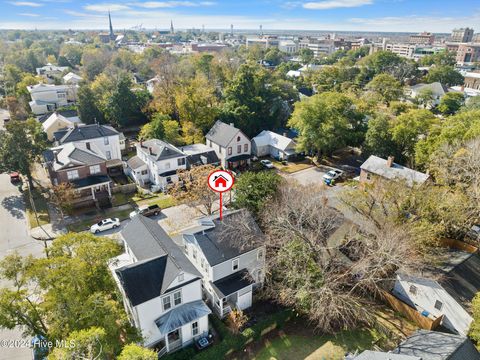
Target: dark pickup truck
x,y
152,210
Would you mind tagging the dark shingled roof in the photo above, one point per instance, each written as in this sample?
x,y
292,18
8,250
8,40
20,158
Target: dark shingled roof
x,y
160,261
433,345
65,113
161,150
232,283
218,246
210,157
221,133
85,132
462,282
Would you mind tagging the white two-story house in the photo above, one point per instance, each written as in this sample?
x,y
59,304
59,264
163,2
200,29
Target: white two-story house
x,y
231,265
161,289
232,146
156,163
448,292
48,97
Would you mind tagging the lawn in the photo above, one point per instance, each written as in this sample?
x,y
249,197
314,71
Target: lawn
x,y
287,345
40,205
162,200
86,223
292,167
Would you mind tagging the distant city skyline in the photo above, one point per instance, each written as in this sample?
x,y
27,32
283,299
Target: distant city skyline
x,y
334,15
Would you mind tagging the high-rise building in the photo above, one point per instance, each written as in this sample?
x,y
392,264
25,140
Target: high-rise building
x,y
231,29
112,35
462,35
422,38
172,30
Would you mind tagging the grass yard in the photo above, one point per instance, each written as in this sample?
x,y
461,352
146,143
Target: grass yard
x,y
162,200
292,167
85,224
40,205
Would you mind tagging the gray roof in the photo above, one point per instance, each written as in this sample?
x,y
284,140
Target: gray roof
x,y
378,166
135,162
160,150
86,132
70,154
181,315
160,261
221,133
218,245
378,355
433,345
200,154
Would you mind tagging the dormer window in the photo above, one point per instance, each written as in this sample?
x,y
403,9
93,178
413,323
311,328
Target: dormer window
x,y
177,298
181,277
235,264
105,141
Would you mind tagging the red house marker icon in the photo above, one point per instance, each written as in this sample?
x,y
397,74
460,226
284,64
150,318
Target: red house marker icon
x,y
220,181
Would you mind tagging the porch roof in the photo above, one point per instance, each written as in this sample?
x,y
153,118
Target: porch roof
x,y
181,315
91,181
232,283
239,157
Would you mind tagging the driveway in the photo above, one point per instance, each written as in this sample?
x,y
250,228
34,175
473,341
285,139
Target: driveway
x,y
14,237
310,176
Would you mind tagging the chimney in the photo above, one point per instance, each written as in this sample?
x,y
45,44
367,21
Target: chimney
x,y
231,124
285,134
55,155
390,161
150,150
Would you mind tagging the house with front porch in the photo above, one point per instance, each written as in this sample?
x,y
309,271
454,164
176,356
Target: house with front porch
x,y
231,265
103,139
232,146
84,168
161,289
156,163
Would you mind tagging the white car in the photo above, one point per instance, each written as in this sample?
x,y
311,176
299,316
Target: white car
x,y
332,175
105,224
267,163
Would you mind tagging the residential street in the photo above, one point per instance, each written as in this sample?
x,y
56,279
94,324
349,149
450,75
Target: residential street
x,y
14,237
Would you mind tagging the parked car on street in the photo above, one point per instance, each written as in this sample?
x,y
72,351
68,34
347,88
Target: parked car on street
x,y
267,163
105,224
332,175
152,210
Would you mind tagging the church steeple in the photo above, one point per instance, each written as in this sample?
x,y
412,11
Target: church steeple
x,y
112,35
172,30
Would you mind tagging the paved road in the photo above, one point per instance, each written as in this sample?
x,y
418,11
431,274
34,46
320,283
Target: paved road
x,y
14,237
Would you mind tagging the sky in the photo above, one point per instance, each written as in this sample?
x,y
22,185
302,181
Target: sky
x,y
335,15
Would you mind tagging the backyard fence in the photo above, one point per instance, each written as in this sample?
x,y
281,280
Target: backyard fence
x,y
124,189
411,313
458,245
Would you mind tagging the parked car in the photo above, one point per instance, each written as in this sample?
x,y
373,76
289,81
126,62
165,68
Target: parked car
x,y
267,163
332,175
152,210
474,232
105,224
14,177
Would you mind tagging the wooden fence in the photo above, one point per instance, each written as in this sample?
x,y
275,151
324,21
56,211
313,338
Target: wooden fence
x,y
458,245
125,189
411,313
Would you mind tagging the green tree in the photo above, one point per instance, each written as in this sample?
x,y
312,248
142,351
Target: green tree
x,y
327,122
155,128
441,58
21,146
386,86
82,344
474,332
306,55
172,132
254,190
446,75
136,352
426,98
378,139
335,78
451,102
88,110
68,291
273,56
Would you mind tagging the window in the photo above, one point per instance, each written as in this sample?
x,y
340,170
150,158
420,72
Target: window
x,y
105,141
438,305
245,148
144,172
181,161
195,328
72,174
260,254
62,95
87,145
413,290
166,303
229,150
235,264
95,169
109,155
181,277
219,149
239,149
169,179
177,298
194,253
238,138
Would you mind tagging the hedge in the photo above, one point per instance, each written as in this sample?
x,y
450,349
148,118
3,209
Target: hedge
x,y
230,342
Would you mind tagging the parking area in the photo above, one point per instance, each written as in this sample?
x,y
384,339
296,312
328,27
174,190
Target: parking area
x,y
310,176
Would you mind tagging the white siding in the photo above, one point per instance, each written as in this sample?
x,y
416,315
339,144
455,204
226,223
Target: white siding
x,y
246,261
113,146
427,293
